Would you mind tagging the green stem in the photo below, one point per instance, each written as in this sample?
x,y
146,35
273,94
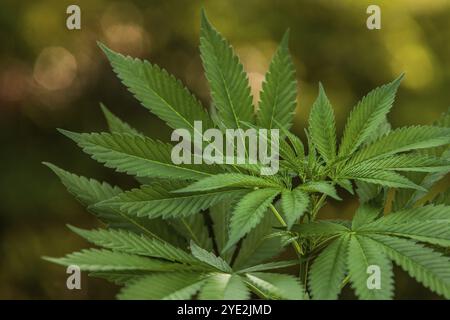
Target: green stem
x,y
283,223
317,206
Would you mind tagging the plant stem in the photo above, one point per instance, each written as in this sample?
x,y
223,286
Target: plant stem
x,y
305,279
317,206
283,223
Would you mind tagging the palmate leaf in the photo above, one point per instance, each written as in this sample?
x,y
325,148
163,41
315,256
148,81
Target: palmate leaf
x,y
230,89
142,157
249,212
163,286
403,162
294,204
435,232
324,187
115,124
257,246
328,270
407,198
220,215
365,214
276,286
279,90
87,191
209,258
223,286
322,127
229,180
194,228
120,240
421,214
367,191
425,265
364,253
105,260
384,178
158,91
90,192
401,140
269,266
119,277
319,228
367,115
159,200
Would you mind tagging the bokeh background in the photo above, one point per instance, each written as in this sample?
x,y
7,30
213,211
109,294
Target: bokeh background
x,y
52,77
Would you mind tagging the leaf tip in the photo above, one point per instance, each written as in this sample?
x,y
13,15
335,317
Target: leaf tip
x,y
69,134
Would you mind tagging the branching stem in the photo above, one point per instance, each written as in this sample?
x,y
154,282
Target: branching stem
x,y
283,223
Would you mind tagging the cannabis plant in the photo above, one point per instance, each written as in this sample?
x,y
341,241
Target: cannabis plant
x,y
217,231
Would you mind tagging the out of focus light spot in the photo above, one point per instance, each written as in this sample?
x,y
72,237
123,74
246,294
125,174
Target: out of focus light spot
x,y
121,12
253,58
416,62
55,68
255,63
256,79
122,26
410,54
129,39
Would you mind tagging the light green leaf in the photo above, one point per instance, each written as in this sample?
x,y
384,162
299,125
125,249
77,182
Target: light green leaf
x,y
220,216
294,204
249,212
435,231
87,191
322,127
328,270
229,180
194,228
279,90
277,286
322,187
365,260
142,157
257,246
229,84
367,116
269,266
401,140
163,286
222,286
159,200
421,214
158,91
430,268
105,260
121,240
364,215
384,178
90,192
115,124
319,228
209,258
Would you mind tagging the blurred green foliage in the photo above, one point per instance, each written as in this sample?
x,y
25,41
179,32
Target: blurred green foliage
x,y
52,77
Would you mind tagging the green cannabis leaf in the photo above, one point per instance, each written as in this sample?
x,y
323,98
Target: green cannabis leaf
x,y
217,231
